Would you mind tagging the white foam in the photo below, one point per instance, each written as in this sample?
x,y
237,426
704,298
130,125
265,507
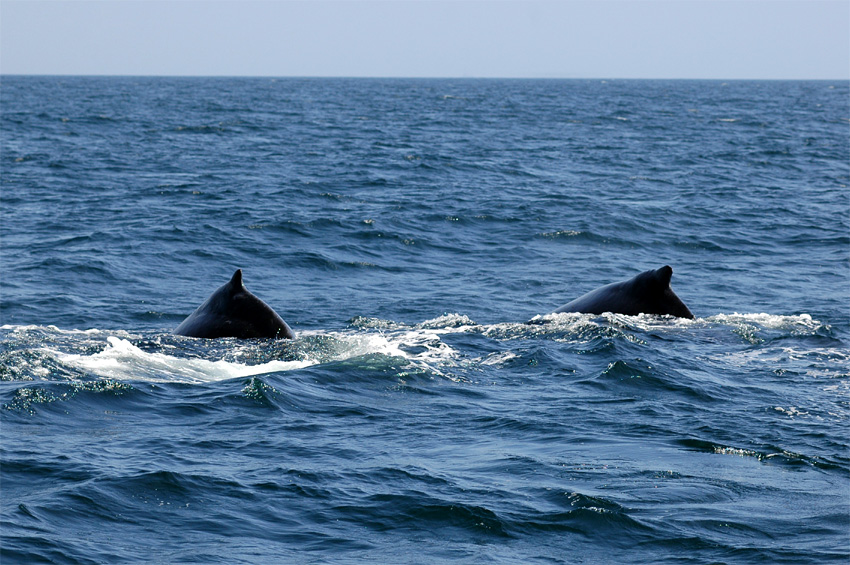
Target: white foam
x,y
15,328
419,345
498,359
51,329
772,321
791,411
121,360
577,322
397,343
450,323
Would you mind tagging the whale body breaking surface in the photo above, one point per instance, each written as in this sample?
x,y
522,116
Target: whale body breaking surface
x,y
232,311
646,293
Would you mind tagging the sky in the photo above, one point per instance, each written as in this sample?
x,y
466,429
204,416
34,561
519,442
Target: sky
x,y
708,39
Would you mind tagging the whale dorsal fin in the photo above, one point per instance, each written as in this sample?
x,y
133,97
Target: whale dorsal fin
x,y
236,281
664,274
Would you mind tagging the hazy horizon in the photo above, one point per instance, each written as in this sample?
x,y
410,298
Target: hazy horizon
x,y
471,78
610,39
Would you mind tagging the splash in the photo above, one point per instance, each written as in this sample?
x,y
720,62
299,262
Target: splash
x,y
801,323
121,360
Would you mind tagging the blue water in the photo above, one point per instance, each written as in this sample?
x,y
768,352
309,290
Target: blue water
x,y
407,230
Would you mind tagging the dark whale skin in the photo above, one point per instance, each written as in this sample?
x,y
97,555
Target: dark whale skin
x,y
232,311
646,293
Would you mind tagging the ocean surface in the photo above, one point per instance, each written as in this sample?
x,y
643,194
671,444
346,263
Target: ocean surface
x,y
407,230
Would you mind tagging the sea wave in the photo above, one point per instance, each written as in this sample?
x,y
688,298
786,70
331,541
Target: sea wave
x,y
44,352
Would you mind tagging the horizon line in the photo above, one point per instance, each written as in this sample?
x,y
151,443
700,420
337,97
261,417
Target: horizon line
x,y
416,77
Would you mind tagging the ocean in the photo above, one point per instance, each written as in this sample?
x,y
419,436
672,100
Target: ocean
x,y
407,230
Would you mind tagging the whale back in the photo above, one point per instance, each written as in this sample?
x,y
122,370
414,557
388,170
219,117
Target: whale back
x,y
646,293
232,311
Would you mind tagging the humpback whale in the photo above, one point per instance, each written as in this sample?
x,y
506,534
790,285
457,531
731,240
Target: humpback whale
x,y
646,293
232,311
